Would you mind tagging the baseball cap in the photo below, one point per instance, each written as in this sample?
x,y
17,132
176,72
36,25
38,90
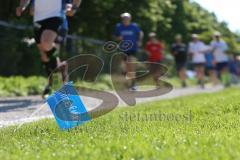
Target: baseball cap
x,y
217,34
194,36
152,34
127,15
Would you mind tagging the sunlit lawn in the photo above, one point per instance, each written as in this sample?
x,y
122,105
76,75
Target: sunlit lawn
x,y
200,127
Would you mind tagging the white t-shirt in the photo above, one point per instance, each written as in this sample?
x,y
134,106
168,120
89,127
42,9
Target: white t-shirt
x,y
44,9
197,49
219,48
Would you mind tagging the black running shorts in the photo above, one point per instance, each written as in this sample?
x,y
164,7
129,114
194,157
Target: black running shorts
x,y
47,24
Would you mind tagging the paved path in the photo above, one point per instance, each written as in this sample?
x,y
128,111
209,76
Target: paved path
x,y
27,109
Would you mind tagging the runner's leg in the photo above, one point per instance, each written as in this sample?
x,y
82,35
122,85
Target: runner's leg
x,y
47,41
46,47
63,68
182,76
131,71
200,75
213,76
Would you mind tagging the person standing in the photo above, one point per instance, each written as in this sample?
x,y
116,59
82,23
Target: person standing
x,y
179,52
197,50
129,32
219,49
154,49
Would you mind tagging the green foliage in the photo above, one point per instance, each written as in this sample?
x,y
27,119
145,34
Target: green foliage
x,y
166,17
17,58
27,86
97,19
20,86
212,132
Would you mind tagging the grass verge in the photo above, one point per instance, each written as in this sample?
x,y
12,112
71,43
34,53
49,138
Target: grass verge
x,y
200,127
27,86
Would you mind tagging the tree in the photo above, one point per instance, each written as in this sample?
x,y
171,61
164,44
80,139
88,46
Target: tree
x,y
97,18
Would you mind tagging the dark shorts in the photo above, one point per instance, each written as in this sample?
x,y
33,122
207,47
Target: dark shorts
x,y
199,64
48,24
130,54
221,66
180,65
210,68
155,67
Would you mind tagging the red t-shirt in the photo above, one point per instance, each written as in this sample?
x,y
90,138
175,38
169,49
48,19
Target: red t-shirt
x,y
155,50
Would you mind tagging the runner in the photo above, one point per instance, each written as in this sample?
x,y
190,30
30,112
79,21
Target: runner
x,y
211,68
48,17
219,48
179,51
128,31
62,33
154,48
197,50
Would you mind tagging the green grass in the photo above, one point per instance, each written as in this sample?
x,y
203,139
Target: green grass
x,y
212,133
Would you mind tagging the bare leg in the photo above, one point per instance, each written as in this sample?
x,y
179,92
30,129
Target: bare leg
x,y
47,40
200,75
44,57
213,77
182,76
131,70
63,67
46,45
156,76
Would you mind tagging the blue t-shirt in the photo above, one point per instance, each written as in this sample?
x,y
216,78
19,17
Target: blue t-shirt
x,y
129,33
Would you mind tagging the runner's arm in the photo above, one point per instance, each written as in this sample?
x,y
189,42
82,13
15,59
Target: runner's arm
x,y
31,11
77,3
23,5
74,8
140,38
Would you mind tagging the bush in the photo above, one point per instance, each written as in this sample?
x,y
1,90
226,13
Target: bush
x,y
21,86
